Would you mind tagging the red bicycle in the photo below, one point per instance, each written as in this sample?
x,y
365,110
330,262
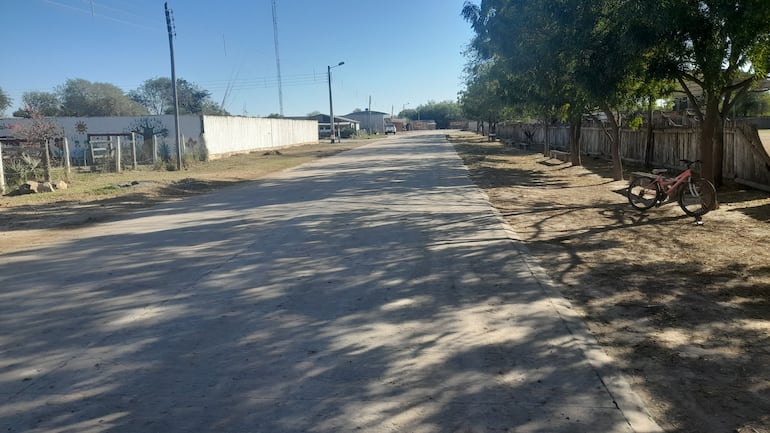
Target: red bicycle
x,y
696,196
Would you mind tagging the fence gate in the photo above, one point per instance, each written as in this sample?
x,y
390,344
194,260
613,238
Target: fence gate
x,y
106,148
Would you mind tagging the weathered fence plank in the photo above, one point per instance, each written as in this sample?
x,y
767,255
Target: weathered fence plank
x,y
745,158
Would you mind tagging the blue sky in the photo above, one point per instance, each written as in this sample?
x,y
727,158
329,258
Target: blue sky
x,y
402,53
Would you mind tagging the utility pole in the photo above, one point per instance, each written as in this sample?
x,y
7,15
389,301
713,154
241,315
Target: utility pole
x,y
277,59
171,34
331,105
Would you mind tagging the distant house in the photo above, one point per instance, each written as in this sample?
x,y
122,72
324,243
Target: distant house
x,y
340,124
372,121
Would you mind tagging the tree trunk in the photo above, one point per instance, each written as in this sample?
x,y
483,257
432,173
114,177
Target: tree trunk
x,y
547,145
574,140
617,163
708,139
649,151
719,150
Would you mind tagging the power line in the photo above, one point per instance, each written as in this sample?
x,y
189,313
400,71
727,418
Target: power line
x,y
92,12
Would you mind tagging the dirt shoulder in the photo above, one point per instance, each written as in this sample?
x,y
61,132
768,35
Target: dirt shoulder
x,y
684,309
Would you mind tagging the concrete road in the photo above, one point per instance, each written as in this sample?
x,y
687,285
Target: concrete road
x,y
373,291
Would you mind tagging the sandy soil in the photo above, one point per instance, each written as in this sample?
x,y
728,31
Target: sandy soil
x,y
683,308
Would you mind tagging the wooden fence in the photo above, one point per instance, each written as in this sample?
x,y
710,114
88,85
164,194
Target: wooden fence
x,y
745,158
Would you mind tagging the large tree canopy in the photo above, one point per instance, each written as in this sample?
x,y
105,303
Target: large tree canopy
x,y
721,47
443,113
567,57
156,95
5,101
600,55
43,103
81,97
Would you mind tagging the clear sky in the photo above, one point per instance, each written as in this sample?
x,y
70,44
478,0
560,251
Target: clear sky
x,y
402,53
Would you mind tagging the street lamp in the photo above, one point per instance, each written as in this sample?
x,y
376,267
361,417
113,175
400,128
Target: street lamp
x,y
331,105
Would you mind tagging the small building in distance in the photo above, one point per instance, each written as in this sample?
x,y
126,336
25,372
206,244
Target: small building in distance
x,y
372,121
350,126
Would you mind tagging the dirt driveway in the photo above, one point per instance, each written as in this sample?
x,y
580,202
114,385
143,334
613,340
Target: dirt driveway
x,y
685,309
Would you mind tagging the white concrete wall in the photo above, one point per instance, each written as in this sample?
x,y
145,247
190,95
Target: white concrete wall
x,y
230,135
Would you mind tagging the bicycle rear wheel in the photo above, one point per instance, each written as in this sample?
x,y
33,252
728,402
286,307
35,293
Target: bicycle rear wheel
x,y
697,197
643,192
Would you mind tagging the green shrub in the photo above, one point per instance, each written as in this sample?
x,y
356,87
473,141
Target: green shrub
x,y
347,132
21,169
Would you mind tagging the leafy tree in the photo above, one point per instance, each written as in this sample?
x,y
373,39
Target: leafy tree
x,y
752,104
39,132
483,99
721,47
443,113
44,103
156,95
612,65
5,101
81,97
530,41
566,57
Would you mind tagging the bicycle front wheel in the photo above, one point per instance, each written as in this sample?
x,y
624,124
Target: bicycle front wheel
x,y
697,197
643,193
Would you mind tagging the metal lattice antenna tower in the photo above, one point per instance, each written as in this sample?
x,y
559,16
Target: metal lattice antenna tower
x,y
277,59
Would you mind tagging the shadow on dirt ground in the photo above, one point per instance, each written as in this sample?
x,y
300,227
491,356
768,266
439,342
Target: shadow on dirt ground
x,y
684,309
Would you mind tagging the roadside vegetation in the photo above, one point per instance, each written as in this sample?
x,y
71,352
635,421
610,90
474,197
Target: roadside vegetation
x,y
569,60
683,309
151,185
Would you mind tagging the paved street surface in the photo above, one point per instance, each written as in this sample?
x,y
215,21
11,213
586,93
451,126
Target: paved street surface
x,y
373,291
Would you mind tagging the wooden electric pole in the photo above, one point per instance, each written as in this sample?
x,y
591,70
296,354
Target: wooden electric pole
x,y
171,34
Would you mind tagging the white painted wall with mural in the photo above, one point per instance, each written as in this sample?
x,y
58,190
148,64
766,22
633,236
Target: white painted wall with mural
x,y
211,136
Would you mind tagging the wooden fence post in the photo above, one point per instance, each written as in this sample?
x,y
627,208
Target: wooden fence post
x,y
47,160
2,170
118,156
133,149
67,162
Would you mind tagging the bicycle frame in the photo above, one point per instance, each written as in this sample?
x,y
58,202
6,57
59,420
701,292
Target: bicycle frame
x,y
670,186
698,197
